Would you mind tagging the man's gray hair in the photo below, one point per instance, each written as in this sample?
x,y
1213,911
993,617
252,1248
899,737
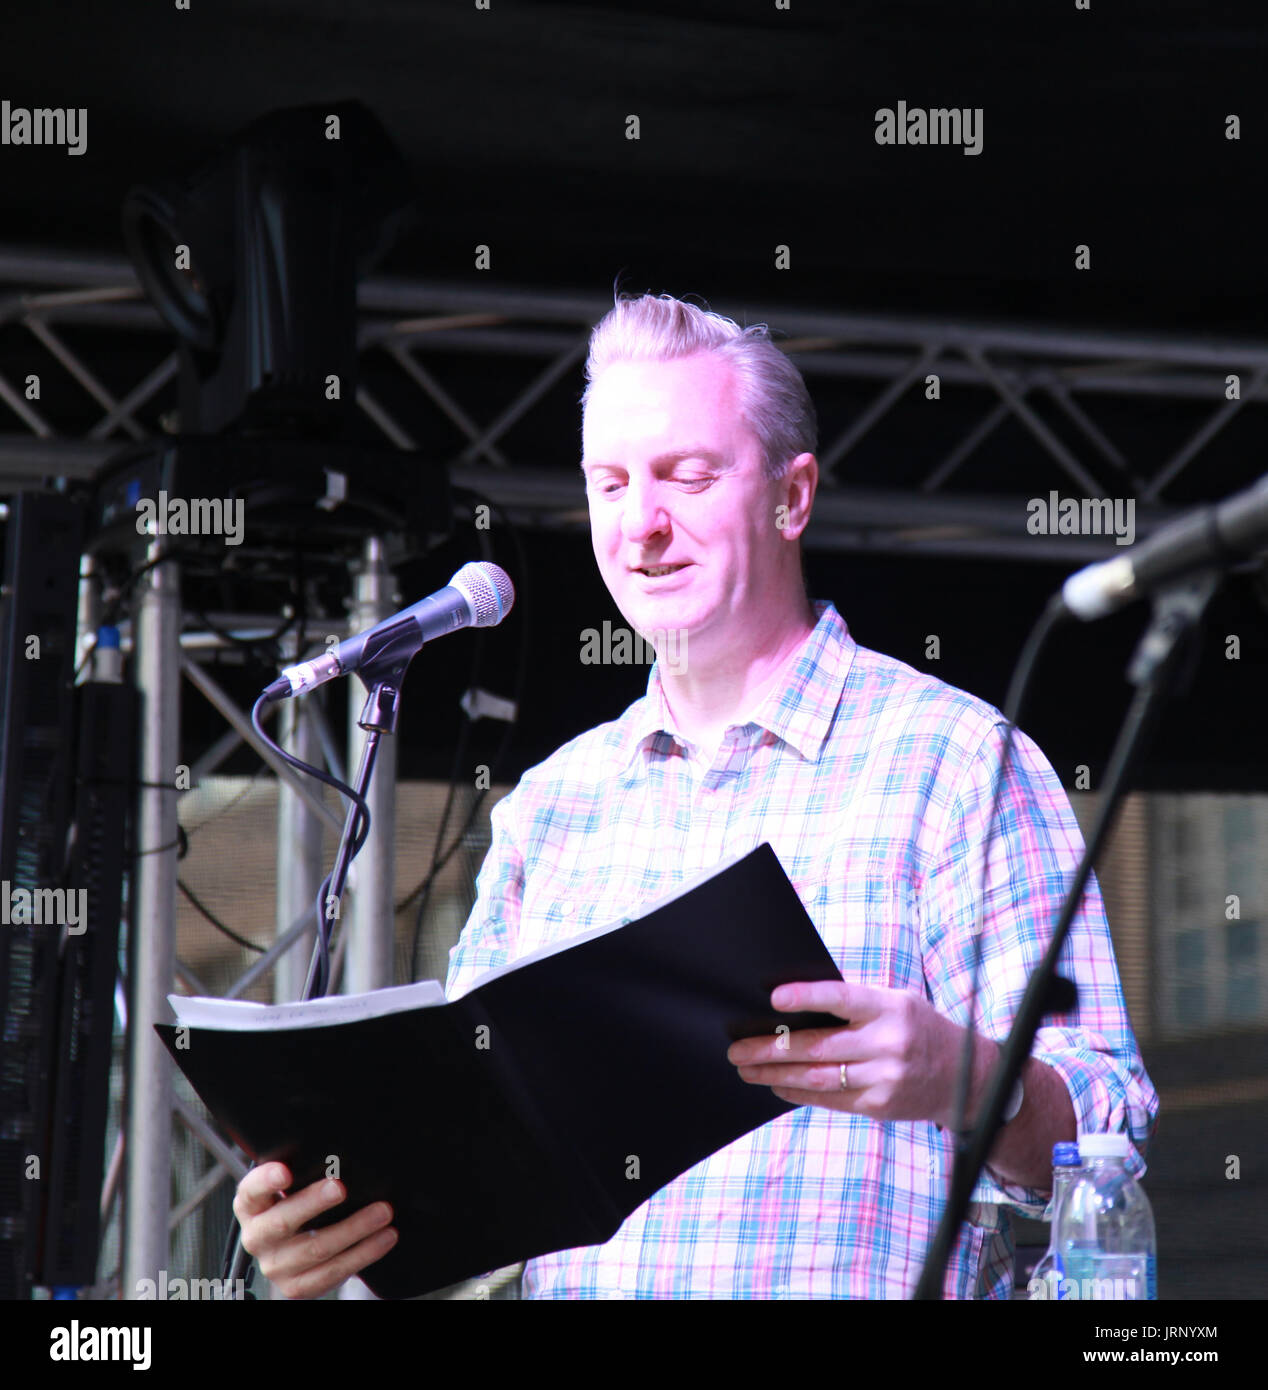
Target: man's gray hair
x,y
773,398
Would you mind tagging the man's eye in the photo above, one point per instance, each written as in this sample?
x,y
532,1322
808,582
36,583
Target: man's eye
x,y
608,487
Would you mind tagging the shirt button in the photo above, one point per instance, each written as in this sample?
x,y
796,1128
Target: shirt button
x,y
565,909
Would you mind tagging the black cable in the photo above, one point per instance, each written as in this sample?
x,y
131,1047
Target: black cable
x,y
216,922
270,642
180,844
360,833
191,830
360,830
170,552
300,765
232,1256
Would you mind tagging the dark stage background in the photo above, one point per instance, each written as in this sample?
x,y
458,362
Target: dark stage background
x,y
757,131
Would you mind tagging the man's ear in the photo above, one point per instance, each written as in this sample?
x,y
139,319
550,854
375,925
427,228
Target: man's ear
x,y
797,493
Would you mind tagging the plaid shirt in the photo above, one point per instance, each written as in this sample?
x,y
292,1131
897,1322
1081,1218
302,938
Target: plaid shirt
x,y
872,782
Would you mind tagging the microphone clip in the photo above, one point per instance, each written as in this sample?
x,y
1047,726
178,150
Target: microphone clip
x,y
382,706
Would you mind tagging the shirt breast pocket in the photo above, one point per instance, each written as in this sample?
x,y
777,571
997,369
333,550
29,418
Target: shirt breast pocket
x,y
866,912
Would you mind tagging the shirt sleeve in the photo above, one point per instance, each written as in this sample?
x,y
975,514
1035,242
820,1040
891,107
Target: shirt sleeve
x,y
1034,853
488,938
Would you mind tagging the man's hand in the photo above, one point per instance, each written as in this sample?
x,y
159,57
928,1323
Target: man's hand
x,y
310,1263
900,1054
902,1058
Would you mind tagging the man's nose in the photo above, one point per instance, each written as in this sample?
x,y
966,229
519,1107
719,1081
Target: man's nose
x,y
643,513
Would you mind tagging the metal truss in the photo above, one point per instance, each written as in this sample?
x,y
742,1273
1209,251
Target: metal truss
x,y
140,1164
227,1160
408,323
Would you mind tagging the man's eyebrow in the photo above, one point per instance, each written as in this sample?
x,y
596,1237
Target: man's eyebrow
x,y
674,456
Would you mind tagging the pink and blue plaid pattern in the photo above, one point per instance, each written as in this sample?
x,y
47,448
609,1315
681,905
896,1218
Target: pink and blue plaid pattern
x,y
873,783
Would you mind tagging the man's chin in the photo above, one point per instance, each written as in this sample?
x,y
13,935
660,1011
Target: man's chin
x,y
653,615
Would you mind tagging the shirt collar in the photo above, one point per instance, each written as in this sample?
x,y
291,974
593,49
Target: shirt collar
x,y
798,709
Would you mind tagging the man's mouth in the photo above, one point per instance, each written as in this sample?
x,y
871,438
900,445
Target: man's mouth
x,y
656,571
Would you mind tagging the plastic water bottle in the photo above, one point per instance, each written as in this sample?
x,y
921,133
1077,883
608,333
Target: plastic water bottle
x,y
1105,1230
1045,1281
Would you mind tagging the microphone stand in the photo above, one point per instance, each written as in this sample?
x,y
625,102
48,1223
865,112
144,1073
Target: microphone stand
x,y
1154,670
379,715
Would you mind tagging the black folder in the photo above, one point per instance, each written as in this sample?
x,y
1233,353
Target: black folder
x,y
541,1108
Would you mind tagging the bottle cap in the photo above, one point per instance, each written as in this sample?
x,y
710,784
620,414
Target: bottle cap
x,y
1066,1156
1103,1146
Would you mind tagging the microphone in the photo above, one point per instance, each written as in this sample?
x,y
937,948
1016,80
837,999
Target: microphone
x,y
479,595
1223,533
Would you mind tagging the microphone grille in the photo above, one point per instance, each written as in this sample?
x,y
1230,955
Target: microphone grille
x,y
488,589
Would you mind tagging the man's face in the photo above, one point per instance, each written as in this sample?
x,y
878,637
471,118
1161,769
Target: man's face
x,y
674,480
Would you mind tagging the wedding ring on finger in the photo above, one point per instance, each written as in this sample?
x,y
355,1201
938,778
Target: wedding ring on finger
x,y
845,1078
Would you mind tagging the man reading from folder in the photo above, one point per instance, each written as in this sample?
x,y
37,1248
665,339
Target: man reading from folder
x,y
873,784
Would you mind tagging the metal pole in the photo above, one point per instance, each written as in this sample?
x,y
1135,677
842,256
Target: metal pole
x,y
299,869
89,614
150,937
369,927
